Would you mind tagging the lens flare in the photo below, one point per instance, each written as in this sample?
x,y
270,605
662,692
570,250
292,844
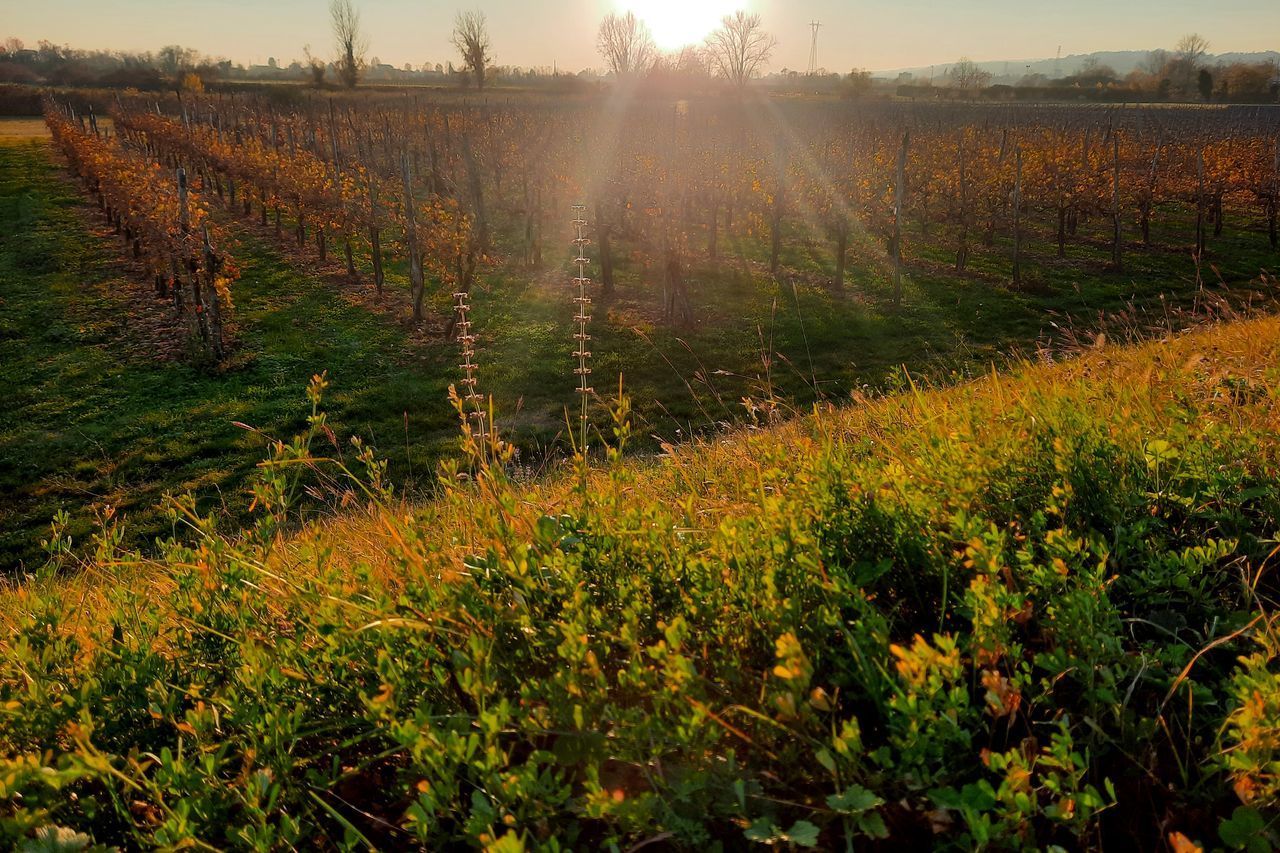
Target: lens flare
x,y
676,23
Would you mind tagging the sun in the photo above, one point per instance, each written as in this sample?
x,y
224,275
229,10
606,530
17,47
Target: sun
x,y
676,23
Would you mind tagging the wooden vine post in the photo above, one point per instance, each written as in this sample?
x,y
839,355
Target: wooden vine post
x,y
1199,205
184,226
375,235
962,249
779,202
416,284
1117,257
1149,194
899,192
603,232
1272,233
476,188
1017,216
212,263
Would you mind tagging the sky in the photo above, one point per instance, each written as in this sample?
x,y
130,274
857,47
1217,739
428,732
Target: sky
x,y
873,34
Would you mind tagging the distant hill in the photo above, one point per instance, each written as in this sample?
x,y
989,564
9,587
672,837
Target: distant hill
x,y
1123,61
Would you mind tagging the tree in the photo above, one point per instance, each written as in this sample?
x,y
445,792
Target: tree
x,y
1204,82
859,82
625,44
1155,62
968,76
1249,81
1182,71
689,61
315,65
1192,48
739,49
1095,73
351,42
679,71
471,38
175,58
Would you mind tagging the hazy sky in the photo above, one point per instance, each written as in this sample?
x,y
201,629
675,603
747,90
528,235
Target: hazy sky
x,y
876,34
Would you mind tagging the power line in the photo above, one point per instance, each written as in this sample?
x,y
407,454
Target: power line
x,y
813,48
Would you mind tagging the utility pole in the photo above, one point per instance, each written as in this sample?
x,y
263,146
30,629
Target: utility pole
x,y
813,48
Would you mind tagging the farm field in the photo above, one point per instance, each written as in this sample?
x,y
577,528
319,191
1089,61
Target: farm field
x,y
639,425
22,128
588,467
89,344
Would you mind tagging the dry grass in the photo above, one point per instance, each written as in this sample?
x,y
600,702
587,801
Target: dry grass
x,y
722,477
1082,539
25,128
1127,387
22,128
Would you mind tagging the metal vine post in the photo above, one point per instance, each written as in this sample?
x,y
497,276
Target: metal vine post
x,y
582,302
466,341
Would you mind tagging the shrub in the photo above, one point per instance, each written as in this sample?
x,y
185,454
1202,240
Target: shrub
x,y
1023,613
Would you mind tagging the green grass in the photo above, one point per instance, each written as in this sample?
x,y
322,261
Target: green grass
x,y
89,419
1030,612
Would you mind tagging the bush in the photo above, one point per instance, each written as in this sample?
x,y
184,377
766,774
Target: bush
x,y
1005,615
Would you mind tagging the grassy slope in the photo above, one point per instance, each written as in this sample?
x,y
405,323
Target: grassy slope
x,y
1009,610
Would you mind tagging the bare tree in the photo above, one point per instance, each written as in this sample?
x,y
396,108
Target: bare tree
x,y
1192,48
315,65
1155,62
680,70
738,50
471,38
1188,54
625,44
967,75
690,61
351,42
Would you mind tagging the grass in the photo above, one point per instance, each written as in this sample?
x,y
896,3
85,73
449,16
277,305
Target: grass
x,y
22,128
1032,610
93,420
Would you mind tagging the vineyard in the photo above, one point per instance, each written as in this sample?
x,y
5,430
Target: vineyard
x,y
159,219
745,260
456,188
882,518
572,426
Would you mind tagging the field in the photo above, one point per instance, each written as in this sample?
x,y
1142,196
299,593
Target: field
x,y
111,408
930,497
22,129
